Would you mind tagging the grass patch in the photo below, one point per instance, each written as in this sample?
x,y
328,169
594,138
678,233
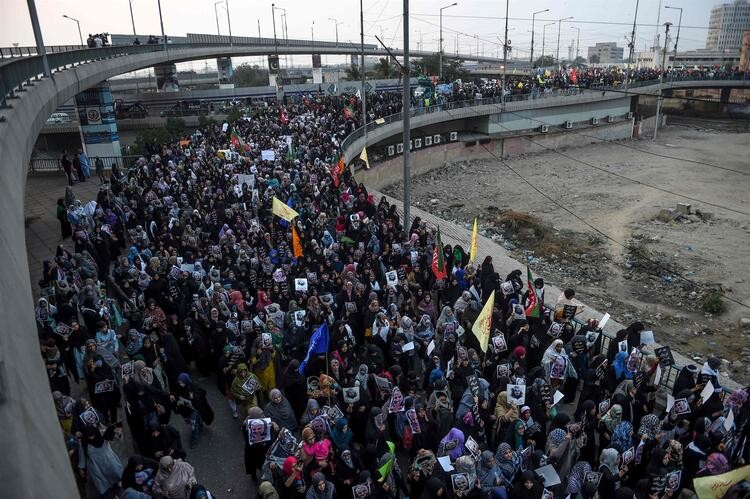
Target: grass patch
x,y
535,235
713,303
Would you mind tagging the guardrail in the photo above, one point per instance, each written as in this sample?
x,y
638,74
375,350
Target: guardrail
x,y
52,165
13,52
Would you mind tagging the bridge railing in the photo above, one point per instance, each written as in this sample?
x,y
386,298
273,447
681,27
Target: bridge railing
x,y
452,105
52,165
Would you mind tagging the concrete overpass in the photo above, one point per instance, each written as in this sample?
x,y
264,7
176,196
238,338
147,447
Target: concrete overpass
x,y
489,119
27,98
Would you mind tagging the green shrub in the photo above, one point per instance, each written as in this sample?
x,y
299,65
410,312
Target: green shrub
x,y
712,303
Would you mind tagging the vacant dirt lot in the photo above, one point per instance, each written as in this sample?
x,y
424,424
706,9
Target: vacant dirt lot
x,y
681,277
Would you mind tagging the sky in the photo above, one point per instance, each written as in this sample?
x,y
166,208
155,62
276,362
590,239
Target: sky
x,y
598,21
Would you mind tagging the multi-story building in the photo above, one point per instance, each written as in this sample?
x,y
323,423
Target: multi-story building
x,y
727,24
607,52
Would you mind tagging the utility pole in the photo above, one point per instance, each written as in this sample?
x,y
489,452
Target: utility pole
x,y
505,54
531,66
336,23
259,28
440,72
631,45
661,80
406,115
362,65
273,17
40,49
578,39
161,22
544,35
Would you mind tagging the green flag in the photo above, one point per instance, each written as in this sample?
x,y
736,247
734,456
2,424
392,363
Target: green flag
x,y
386,469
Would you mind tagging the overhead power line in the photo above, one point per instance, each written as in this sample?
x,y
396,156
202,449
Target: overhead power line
x,y
572,21
622,144
604,234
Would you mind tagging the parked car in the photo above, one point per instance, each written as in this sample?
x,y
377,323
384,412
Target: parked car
x,y
58,118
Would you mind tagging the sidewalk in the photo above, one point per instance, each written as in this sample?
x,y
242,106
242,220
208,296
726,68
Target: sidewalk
x,y
42,226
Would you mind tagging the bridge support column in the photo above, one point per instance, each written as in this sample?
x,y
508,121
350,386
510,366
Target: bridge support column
x,y
224,67
725,92
96,116
166,81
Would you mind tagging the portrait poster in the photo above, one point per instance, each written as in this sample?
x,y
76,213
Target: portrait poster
x,y
516,394
258,430
413,420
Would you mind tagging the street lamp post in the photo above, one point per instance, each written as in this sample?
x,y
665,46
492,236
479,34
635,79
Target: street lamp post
x,y
440,72
559,24
132,19
80,36
216,13
40,48
229,22
532,35
578,38
336,23
544,36
677,40
312,32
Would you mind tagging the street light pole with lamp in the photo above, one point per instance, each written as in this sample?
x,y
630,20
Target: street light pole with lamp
x,y
440,72
679,24
336,24
80,36
532,35
216,13
544,36
132,19
578,39
505,54
559,24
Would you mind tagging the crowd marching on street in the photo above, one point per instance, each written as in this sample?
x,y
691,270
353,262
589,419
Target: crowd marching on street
x,y
360,356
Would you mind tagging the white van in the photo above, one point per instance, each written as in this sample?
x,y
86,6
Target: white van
x,y
58,118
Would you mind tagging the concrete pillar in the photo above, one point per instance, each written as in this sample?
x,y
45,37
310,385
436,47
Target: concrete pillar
x,y
225,70
725,92
96,118
166,81
317,70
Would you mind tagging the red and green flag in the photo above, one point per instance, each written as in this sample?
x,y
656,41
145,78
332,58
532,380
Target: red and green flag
x,y
532,306
438,263
237,141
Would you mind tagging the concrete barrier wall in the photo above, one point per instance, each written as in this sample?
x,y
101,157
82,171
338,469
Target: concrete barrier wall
x,y
388,172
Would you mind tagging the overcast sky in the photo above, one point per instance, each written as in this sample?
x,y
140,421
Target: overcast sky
x,y
482,18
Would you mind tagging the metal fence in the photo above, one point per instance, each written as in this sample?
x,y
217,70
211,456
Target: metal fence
x,y
52,165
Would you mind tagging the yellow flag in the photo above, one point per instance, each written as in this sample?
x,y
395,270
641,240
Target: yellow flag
x,y
482,327
283,211
363,157
473,250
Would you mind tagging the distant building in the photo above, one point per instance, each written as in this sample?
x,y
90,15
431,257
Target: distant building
x,y
727,24
607,52
708,58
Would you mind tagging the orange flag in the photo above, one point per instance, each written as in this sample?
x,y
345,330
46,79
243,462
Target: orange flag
x,y
296,244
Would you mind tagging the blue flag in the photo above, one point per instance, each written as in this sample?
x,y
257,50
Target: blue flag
x,y
318,345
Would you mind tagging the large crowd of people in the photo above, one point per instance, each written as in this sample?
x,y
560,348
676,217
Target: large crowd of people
x,y
245,258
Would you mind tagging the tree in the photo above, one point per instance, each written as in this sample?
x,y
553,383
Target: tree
x,y
544,61
384,69
594,59
352,73
430,65
579,60
246,75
